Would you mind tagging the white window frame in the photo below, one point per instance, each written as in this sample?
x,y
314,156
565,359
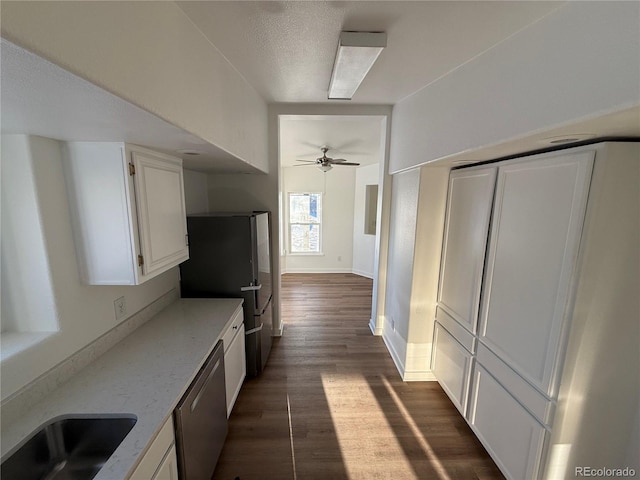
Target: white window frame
x,y
319,223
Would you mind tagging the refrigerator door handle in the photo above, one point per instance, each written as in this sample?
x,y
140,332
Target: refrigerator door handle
x,y
251,288
254,330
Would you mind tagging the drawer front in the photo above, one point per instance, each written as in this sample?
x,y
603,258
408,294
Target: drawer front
x,y
513,437
461,334
233,329
451,364
537,403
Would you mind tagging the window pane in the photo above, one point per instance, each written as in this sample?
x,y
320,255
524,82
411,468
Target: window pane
x,y
305,208
305,238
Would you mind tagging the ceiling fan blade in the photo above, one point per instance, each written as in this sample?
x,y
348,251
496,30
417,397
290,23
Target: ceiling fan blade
x,y
341,147
337,160
345,163
304,165
306,161
311,145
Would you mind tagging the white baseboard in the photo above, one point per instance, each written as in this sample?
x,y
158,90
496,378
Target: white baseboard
x,y
424,376
415,364
377,331
317,270
418,363
326,270
390,338
362,273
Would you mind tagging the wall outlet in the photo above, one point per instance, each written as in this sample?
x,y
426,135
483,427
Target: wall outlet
x,y
339,258
120,306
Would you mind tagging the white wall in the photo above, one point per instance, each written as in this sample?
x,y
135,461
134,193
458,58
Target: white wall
x,y
432,204
84,312
418,207
402,236
196,192
580,61
25,267
363,245
150,54
337,187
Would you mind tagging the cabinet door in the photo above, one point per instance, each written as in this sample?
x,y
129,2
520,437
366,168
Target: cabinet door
x,y
235,368
162,447
161,211
465,238
452,367
536,226
513,438
168,469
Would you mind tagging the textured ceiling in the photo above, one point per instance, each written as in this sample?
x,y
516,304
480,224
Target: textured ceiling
x,y
286,49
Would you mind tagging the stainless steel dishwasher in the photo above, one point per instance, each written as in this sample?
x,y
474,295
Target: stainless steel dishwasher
x,y
201,420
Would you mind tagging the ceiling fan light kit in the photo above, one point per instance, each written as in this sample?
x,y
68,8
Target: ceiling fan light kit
x,y
357,52
325,168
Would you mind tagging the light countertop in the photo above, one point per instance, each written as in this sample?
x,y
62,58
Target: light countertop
x,y
145,374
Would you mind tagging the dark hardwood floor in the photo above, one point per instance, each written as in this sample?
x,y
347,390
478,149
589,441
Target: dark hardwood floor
x,y
331,405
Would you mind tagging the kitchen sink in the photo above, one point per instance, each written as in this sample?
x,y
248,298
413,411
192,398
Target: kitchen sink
x,y
72,447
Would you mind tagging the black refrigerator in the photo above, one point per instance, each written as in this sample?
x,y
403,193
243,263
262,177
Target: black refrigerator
x,y
230,256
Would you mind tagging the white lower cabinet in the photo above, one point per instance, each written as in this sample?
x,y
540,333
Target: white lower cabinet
x,y
235,364
451,364
508,431
168,469
160,462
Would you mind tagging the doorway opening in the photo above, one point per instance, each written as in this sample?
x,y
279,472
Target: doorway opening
x,y
331,211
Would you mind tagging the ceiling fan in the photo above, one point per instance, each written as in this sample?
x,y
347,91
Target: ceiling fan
x,y
325,163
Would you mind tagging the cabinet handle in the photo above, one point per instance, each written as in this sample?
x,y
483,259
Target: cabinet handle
x,y
251,288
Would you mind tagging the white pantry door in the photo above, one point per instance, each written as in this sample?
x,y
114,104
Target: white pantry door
x,y
469,203
535,234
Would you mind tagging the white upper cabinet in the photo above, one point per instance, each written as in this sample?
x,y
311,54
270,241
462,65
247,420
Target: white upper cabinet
x,y
128,211
161,210
535,232
465,238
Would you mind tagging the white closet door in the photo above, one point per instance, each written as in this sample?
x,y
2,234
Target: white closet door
x,y
465,238
161,211
537,220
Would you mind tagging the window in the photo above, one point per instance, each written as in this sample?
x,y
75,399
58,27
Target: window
x,y
305,222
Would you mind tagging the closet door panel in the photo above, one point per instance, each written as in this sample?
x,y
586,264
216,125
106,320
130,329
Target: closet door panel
x,y
465,238
537,220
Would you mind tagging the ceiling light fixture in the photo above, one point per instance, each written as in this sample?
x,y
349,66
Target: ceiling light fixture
x,y
325,168
357,52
